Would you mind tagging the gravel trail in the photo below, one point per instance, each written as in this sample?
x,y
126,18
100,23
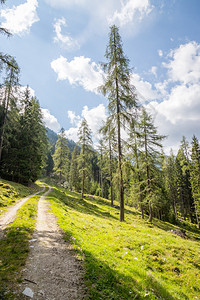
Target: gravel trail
x,y
52,271
8,216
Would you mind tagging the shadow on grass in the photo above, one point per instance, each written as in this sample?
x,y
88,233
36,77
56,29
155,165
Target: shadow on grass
x,y
74,201
191,231
103,282
14,248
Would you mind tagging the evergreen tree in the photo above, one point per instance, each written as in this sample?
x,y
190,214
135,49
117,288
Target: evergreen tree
x,y
183,181
108,136
151,143
74,181
195,177
85,142
169,170
135,156
7,98
61,157
24,156
120,95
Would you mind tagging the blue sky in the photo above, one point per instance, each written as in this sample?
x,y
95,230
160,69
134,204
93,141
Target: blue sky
x,y
59,45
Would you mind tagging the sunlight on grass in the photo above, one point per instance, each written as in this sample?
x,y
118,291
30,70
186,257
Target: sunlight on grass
x,y
14,247
130,260
10,192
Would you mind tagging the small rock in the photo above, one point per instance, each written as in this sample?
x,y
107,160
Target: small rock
x,y
33,240
28,292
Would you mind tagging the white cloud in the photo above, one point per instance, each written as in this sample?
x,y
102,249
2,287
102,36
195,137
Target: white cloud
x,y
101,14
160,53
144,89
130,10
49,120
79,71
154,71
66,41
184,65
19,19
178,114
73,118
94,117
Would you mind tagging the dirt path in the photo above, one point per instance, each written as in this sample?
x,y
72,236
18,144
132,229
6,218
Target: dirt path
x,y
8,216
52,266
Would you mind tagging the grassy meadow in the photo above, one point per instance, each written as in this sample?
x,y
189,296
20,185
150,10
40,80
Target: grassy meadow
x,y
130,260
14,245
10,192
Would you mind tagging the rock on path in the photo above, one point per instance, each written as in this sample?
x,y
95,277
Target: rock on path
x,y
52,266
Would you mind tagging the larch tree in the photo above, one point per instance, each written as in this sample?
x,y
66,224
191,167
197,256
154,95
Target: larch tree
x,y
85,141
121,98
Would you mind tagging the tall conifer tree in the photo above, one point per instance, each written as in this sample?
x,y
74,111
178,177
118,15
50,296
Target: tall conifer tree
x,y
195,176
85,141
61,156
119,91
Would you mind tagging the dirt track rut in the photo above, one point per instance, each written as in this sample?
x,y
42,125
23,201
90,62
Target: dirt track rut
x,y
52,266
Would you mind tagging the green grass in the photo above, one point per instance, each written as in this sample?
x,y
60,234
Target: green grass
x,y
129,260
10,192
14,247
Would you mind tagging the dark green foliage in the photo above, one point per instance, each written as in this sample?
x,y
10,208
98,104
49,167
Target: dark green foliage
x,y
74,180
26,143
85,141
61,158
195,177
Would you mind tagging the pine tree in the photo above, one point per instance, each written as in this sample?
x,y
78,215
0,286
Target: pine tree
x,y
61,157
137,183
120,95
108,136
195,176
183,181
11,81
74,181
169,170
151,143
85,142
24,156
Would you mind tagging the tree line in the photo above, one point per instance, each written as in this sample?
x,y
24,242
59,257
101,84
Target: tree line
x,y
23,139
130,161
129,164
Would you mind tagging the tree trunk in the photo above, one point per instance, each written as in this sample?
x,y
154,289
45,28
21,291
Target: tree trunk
x,y
83,178
111,186
148,180
120,167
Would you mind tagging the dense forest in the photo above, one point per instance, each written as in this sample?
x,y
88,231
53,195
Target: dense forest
x,y
129,165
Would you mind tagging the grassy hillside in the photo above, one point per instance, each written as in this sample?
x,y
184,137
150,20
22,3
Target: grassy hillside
x,y
10,192
130,260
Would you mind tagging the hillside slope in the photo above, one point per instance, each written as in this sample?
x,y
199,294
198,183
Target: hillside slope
x,y
10,192
130,260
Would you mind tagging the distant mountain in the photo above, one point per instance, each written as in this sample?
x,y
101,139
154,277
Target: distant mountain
x,y
52,136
